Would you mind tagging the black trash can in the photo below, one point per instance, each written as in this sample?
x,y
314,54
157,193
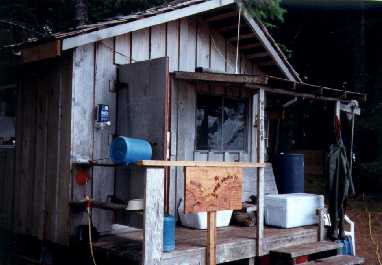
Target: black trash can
x,y
289,173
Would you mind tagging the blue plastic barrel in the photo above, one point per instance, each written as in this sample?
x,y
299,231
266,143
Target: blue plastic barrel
x,y
169,233
289,173
125,150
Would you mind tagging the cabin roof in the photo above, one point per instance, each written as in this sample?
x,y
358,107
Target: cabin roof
x,y
222,15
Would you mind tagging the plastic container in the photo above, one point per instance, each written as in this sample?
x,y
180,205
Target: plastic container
x,y
289,173
169,233
292,210
199,220
347,246
124,150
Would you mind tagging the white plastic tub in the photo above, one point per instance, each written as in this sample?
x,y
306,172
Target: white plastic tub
x,y
292,210
199,220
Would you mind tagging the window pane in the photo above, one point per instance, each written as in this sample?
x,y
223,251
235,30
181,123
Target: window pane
x,y
234,124
208,123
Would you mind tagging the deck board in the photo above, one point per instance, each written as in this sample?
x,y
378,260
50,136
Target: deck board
x,y
233,243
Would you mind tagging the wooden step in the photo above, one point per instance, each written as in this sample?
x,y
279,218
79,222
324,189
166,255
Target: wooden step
x,y
306,249
337,260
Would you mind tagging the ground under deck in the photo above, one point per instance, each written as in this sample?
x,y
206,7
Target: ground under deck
x,y
233,243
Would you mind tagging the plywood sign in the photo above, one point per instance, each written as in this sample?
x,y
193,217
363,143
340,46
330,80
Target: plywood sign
x,y
212,189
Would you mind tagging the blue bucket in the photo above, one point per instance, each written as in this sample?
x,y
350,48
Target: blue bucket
x,y
124,150
168,233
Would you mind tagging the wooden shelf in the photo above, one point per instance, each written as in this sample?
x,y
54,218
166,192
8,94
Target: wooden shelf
x,y
162,163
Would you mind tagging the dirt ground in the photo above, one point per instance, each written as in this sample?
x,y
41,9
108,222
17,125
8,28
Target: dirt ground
x,y
364,244
358,210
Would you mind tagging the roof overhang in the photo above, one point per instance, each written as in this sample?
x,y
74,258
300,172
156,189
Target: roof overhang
x,y
274,85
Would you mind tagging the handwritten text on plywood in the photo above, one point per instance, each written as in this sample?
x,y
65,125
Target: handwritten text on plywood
x,y
212,189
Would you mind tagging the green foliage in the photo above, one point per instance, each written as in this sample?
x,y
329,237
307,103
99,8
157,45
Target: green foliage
x,y
267,11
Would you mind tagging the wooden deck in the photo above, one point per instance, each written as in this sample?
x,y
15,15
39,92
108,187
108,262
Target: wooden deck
x,y
233,243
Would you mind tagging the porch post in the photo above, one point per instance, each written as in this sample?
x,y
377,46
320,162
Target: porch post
x,y
153,217
260,173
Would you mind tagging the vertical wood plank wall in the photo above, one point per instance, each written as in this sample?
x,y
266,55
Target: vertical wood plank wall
x,y
42,173
7,171
188,42
94,78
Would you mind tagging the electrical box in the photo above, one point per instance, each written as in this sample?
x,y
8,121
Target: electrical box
x,y
102,116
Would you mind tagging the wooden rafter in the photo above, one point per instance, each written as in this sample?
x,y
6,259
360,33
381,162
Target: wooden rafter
x,y
222,16
252,45
231,28
243,37
258,55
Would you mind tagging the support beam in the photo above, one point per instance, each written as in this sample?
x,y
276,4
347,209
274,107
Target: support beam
x,y
321,224
153,217
258,55
41,52
222,16
243,37
273,85
231,27
260,172
251,46
211,238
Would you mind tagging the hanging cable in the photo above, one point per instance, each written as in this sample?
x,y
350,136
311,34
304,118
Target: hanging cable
x,y
237,42
88,206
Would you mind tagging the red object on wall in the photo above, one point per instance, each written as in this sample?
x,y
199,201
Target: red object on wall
x,y
300,260
82,176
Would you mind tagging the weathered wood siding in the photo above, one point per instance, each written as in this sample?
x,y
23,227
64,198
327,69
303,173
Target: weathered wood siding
x,y
188,42
42,172
56,121
7,171
94,78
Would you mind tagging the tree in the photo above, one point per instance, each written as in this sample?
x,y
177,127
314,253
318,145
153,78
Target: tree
x,y
268,12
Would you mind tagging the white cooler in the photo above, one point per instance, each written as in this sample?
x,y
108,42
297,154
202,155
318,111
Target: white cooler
x,y
292,210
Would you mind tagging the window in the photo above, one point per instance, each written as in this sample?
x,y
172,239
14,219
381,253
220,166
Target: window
x,y
221,123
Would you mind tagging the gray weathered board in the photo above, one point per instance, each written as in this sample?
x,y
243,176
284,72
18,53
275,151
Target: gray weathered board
x,y
42,174
94,76
142,100
7,170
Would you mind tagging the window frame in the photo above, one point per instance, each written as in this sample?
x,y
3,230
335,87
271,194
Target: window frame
x,y
247,132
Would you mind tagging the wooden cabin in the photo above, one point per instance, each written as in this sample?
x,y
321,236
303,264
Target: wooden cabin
x,y
143,66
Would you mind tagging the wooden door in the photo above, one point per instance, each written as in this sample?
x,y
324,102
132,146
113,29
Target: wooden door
x,y
143,100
